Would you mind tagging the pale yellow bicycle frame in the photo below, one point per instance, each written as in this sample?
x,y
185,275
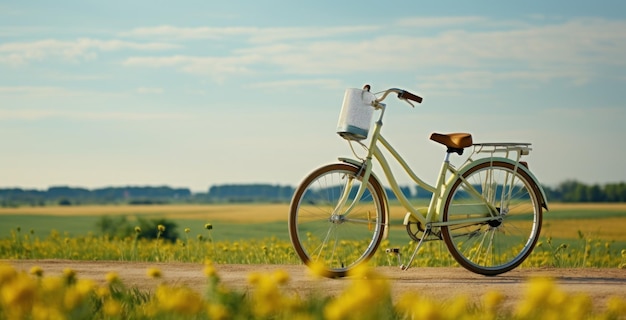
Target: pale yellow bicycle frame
x,y
430,217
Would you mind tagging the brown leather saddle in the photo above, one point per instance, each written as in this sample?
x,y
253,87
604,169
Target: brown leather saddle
x,y
455,142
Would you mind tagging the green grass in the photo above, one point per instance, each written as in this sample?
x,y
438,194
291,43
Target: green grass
x,y
229,231
565,242
569,225
568,214
42,225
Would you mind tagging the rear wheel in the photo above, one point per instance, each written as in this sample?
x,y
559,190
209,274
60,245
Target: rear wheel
x,y
320,230
501,243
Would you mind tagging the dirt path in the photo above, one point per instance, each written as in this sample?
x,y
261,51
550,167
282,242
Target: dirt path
x,y
444,283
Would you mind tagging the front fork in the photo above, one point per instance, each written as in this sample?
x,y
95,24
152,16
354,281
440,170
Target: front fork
x,y
364,171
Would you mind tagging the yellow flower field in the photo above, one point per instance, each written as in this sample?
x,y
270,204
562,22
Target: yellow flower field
x,y
35,296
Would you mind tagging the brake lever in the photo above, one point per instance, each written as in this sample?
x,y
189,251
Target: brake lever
x,y
409,102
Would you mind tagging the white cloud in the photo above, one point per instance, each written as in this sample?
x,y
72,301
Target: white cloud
x,y
39,114
420,23
301,83
157,62
32,91
252,34
19,53
470,46
575,47
455,82
55,104
431,22
302,33
172,32
216,67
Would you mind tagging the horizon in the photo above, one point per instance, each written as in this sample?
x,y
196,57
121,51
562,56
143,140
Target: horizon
x,y
198,94
207,189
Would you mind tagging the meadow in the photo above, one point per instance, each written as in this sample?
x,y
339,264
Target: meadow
x,y
572,236
564,222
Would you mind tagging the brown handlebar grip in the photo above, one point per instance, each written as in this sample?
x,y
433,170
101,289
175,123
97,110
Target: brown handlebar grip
x,y
409,96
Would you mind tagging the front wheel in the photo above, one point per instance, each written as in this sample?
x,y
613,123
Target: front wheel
x,y
323,233
509,199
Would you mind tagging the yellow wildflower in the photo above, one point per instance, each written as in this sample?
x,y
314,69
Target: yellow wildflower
x,y
267,297
103,292
17,295
51,285
76,294
616,306
209,269
492,301
36,271
181,300
154,273
112,277
254,278
161,228
70,275
218,312
543,298
7,273
112,308
45,311
363,298
458,307
317,269
281,276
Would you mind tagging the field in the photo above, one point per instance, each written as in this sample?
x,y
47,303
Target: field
x,y
573,235
565,222
576,271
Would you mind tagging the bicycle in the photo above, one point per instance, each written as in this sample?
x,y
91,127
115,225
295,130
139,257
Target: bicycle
x,y
488,211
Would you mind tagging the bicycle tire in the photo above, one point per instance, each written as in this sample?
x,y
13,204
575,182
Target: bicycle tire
x,y
503,243
336,242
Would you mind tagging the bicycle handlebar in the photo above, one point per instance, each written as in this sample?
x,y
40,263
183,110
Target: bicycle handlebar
x,y
409,96
402,94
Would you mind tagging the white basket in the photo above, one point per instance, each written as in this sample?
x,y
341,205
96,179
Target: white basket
x,y
355,118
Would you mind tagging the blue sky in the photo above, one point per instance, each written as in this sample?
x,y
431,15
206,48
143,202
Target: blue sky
x,y
198,93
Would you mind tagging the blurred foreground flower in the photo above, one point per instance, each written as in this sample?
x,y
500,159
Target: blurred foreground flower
x,y
367,297
179,300
154,273
209,269
267,297
317,269
112,277
36,271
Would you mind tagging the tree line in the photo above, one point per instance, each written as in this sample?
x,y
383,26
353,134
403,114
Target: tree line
x,y
574,191
568,191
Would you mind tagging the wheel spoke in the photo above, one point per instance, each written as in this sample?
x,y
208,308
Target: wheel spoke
x,y
320,231
507,239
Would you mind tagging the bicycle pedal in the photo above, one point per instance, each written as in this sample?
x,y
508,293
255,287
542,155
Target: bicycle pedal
x,y
393,250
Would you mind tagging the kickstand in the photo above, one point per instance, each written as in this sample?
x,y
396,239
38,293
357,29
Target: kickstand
x,y
427,232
